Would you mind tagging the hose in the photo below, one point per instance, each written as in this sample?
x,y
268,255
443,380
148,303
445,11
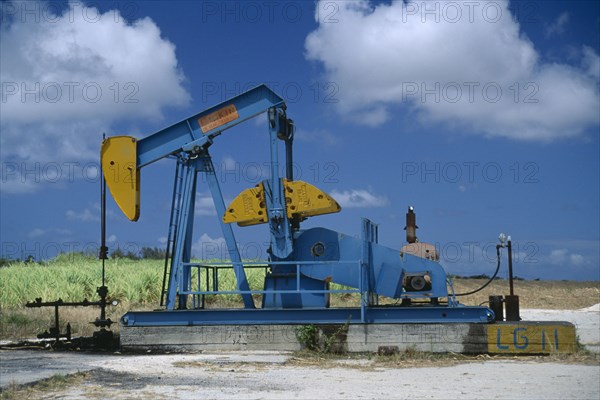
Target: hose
x,y
489,281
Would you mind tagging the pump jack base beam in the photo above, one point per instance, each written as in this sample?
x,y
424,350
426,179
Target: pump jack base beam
x,y
206,330
383,314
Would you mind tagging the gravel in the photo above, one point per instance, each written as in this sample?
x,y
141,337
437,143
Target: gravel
x,y
269,375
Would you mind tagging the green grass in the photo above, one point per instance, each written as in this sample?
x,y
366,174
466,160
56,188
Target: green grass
x,y
136,284
74,277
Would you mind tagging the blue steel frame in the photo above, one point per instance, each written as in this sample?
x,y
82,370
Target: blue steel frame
x,y
186,136
372,315
189,144
180,276
187,133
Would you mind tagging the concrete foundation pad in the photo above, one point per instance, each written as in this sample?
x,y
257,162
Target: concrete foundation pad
x,y
504,337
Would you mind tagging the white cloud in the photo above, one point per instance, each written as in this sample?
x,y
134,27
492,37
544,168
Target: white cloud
x,y
68,78
558,26
471,69
204,205
563,257
162,240
591,62
207,248
37,232
576,259
358,198
85,215
558,256
316,136
111,239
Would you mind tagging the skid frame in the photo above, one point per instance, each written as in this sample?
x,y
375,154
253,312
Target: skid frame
x,y
362,315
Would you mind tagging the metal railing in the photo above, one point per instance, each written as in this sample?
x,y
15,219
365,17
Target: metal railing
x,y
211,270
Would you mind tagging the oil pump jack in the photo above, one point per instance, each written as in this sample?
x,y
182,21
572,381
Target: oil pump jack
x,y
301,264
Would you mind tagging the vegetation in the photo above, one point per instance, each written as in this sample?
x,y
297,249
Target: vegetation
x,y
42,388
75,276
308,337
323,339
136,284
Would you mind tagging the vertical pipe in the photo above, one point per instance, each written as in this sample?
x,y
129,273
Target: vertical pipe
x,y
102,290
289,158
512,301
275,182
289,166
411,226
56,323
510,268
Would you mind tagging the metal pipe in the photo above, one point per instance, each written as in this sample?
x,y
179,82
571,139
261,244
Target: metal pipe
x,y
289,160
102,290
411,225
510,268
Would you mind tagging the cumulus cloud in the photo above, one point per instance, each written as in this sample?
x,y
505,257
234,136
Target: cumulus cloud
x,y
563,257
358,198
85,215
320,136
37,232
68,76
591,62
464,64
207,248
576,259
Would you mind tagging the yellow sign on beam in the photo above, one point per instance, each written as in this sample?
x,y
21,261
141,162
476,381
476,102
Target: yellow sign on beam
x,y
531,337
119,165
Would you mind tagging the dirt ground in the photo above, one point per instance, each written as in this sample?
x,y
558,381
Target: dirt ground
x,y
271,376
275,375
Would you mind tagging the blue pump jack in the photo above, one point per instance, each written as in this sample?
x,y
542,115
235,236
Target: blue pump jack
x,y
302,263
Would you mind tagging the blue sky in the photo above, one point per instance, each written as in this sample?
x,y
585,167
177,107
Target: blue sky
x,y
484,116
